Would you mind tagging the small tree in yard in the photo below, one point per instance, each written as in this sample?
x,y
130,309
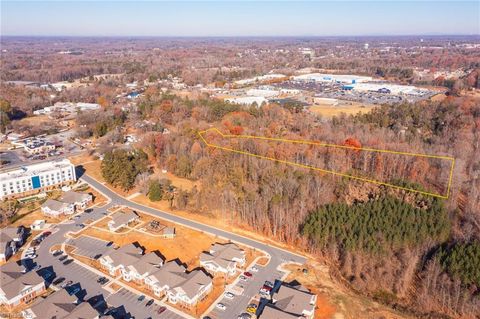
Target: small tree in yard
x,y
155,191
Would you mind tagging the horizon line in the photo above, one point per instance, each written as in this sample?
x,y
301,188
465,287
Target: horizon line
x,y
241,36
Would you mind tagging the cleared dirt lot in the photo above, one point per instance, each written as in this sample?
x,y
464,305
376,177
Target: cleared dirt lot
x,y
346,107
187,244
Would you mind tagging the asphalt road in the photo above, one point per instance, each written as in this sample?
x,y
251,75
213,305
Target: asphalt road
x,y
269,272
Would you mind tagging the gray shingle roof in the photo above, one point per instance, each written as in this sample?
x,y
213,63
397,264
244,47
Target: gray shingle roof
x,y
57,305
55,205
223,254
13,279
293,300
73,197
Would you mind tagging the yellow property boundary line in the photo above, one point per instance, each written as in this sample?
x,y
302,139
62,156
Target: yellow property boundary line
x,y
333,146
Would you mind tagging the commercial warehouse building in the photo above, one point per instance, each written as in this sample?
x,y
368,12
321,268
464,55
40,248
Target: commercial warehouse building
x,y
30,179
332,78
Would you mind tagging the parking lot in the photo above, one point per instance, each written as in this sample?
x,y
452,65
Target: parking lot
x,y
128,303
250,294
89,247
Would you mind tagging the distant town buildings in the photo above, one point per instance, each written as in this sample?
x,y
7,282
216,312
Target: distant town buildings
x,y
35,145
67,108
260,79
335,78
34,178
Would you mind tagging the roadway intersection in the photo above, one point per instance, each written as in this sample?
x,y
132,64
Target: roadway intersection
x,y
86,279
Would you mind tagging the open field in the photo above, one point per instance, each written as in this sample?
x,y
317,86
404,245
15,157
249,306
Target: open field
x,y
346,107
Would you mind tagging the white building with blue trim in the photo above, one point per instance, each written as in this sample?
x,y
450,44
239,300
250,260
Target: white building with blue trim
x,y
34,178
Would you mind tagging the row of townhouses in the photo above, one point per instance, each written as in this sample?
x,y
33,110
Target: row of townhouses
x,y
172,279
23,287
67,204
61,305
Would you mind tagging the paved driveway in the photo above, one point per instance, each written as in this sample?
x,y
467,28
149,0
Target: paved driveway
x,y
89,247
138,308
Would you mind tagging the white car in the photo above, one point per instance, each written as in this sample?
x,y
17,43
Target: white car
x,y
229,295
254,269
30,256
221,306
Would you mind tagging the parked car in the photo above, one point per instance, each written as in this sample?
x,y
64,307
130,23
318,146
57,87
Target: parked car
x,y
149,303
59,280
141,298
100,279
265,289
89,210
161,309
221,306
269,284
243,278
57,252
68,262
46,234
244,316
252,308
247,274
254,269
63,257
229,295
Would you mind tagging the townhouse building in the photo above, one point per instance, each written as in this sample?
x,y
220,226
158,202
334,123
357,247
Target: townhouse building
x,y
19,286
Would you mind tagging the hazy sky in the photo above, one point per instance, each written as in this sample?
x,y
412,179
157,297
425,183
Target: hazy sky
x,y
238,18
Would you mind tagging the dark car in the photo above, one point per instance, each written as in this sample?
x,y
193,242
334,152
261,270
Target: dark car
x,y
101,279
247,274
141,298
149,303
68,262
89,210
57,253
62,258
161,310
59,280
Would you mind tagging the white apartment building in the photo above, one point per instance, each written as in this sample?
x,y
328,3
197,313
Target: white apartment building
x,y
34,178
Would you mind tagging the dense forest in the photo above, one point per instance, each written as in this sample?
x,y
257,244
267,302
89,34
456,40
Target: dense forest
x,y
408,250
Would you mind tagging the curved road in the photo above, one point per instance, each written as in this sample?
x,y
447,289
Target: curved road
x,y
269,272
86,280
